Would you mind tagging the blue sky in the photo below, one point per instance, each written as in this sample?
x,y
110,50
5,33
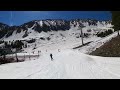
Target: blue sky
x,y
20,17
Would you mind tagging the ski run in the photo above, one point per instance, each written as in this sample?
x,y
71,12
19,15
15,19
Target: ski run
x,y
68,63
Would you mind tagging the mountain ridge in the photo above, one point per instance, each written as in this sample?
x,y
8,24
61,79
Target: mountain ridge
x,y
49,25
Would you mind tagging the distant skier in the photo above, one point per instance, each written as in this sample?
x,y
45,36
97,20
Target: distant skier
x,y
58,50
51,57
33,52
39,53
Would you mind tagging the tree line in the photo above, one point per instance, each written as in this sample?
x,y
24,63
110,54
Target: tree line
x,y
9,45
116,20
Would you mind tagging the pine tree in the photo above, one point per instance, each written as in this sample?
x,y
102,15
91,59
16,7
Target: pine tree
x,y
6,44
116,20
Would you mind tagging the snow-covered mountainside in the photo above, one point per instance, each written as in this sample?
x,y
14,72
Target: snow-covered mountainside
x,y
3,29
59,37
39,28
54,34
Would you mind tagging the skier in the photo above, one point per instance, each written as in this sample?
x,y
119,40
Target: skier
x,y
51,57
33,52
39,52
58,50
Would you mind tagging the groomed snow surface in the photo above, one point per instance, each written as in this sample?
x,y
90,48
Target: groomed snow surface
x,y
67,64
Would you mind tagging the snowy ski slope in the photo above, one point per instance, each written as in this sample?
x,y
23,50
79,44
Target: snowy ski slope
x,y
67,64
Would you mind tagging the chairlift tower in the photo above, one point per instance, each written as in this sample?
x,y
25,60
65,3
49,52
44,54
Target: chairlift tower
x,y
81,26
